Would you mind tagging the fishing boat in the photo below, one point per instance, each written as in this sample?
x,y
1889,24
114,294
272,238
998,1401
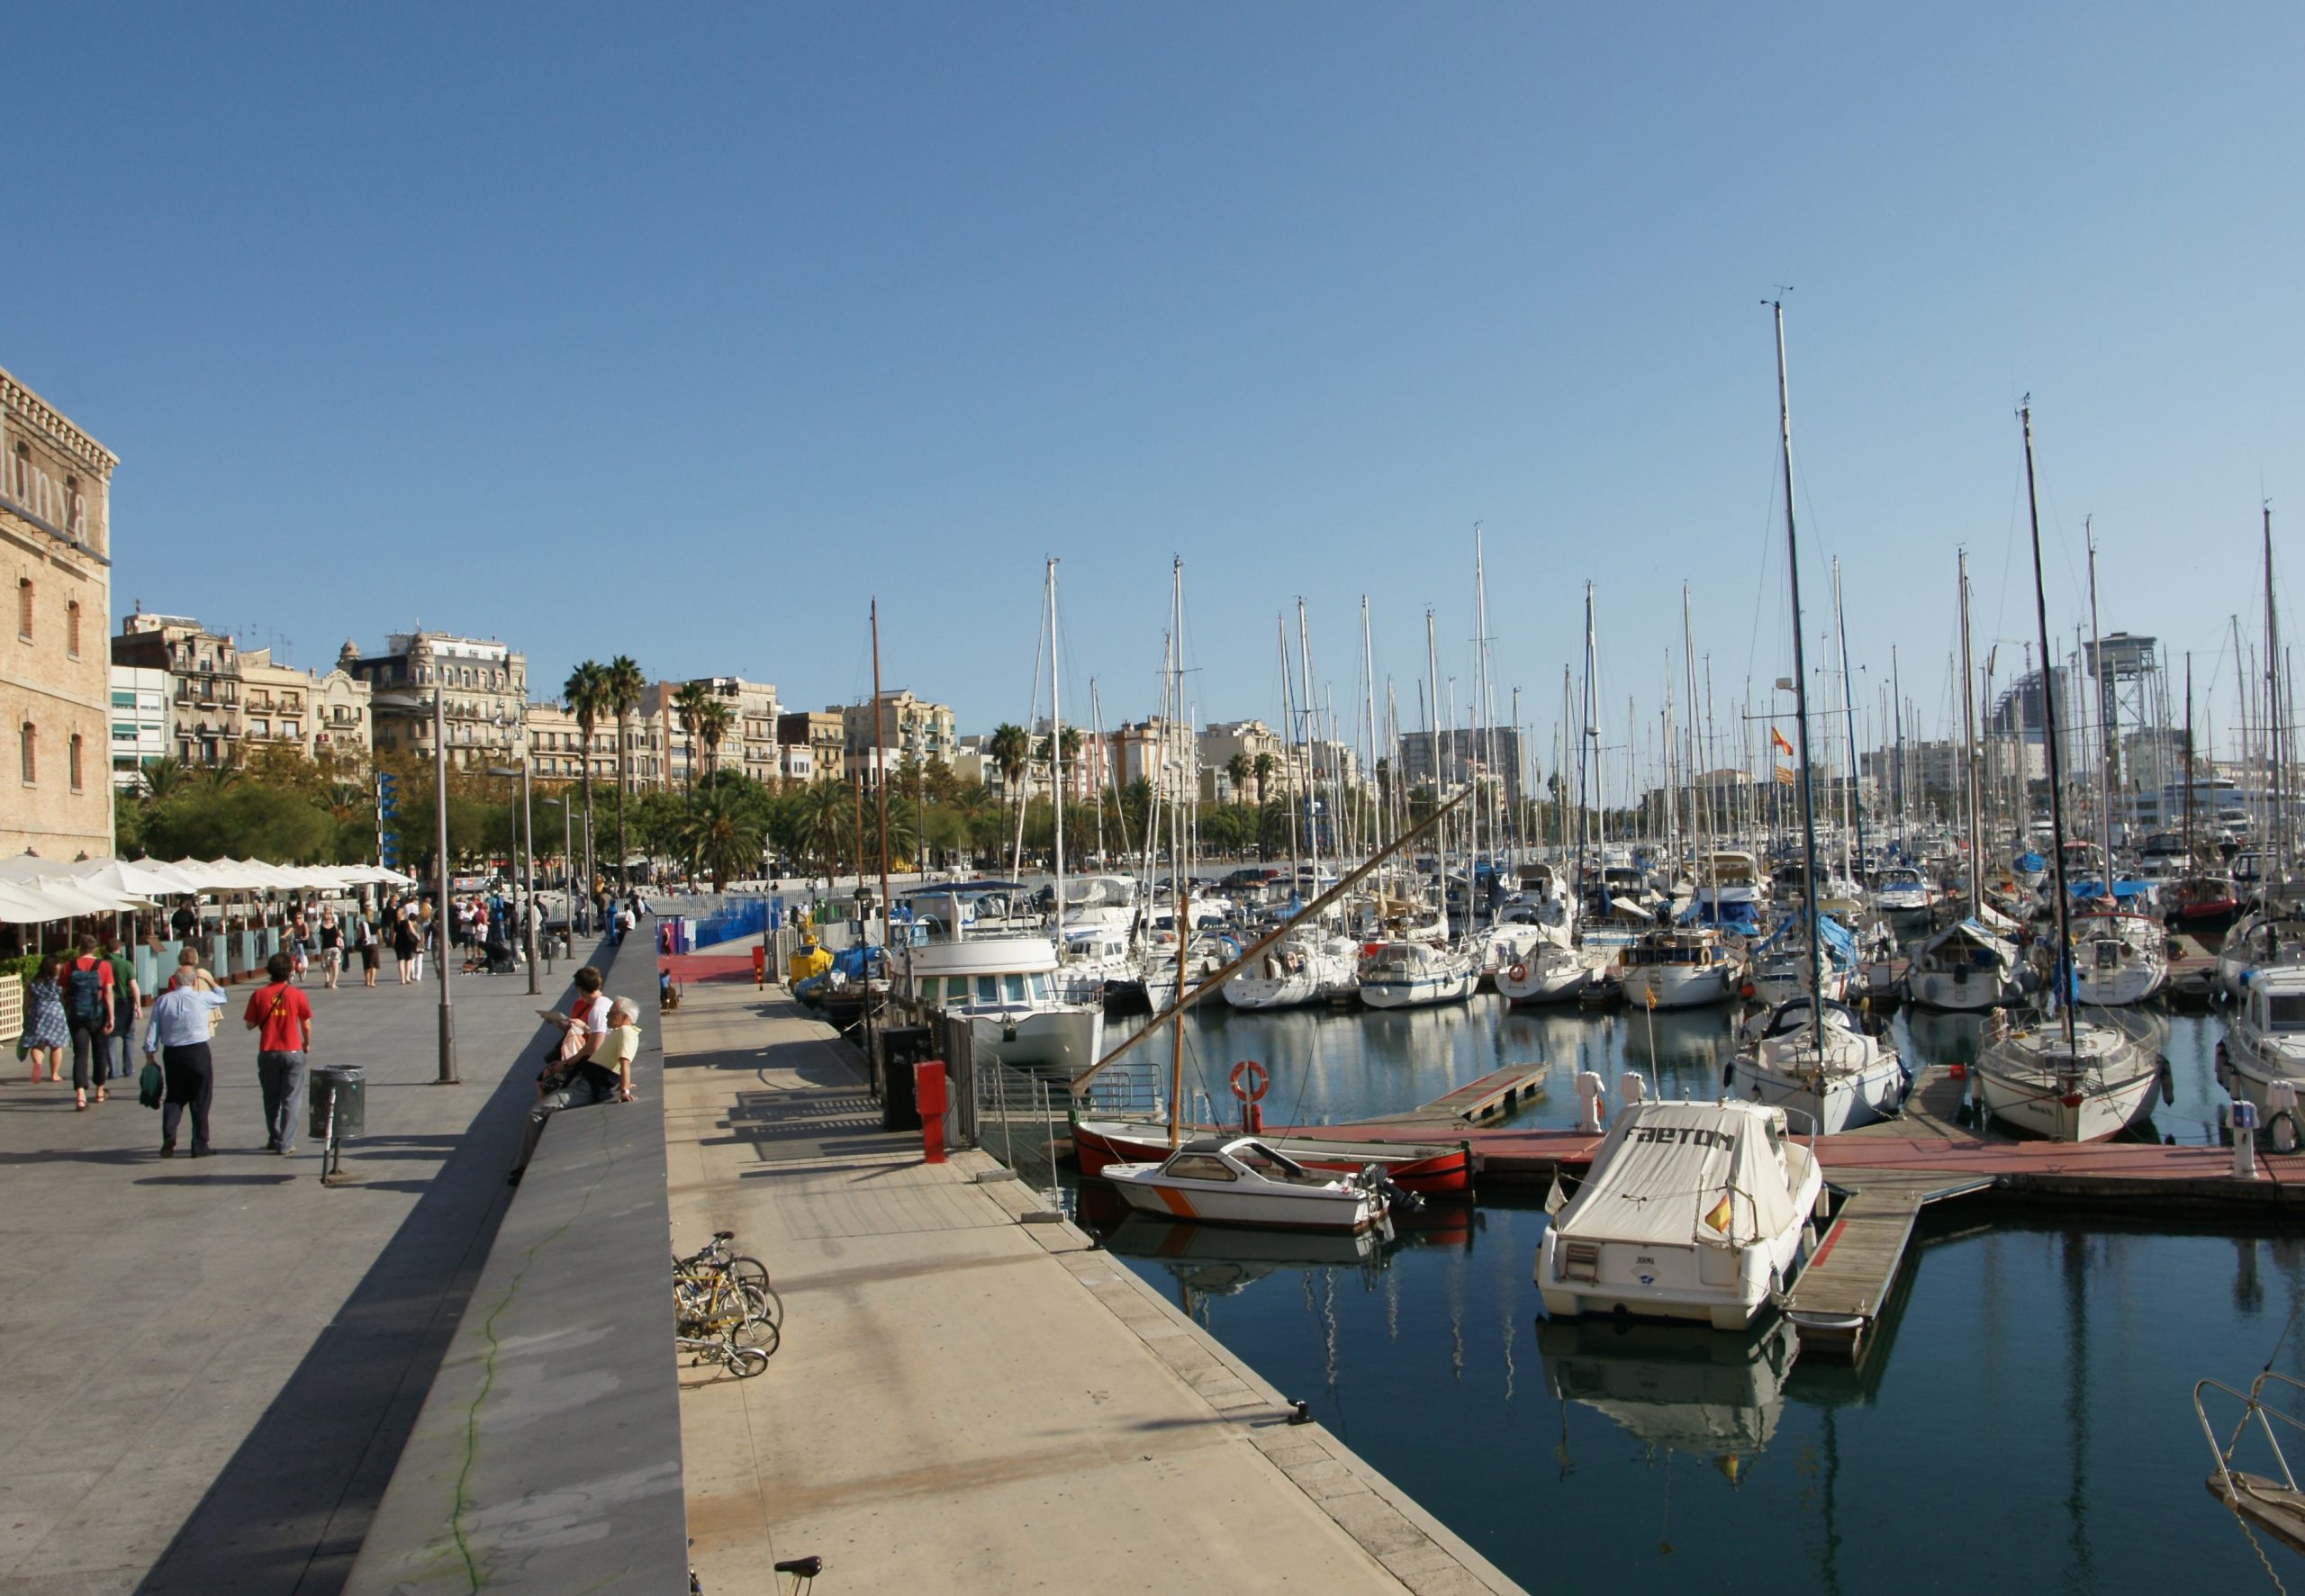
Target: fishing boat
x,y
1244,1180
1005,986
1679,967
1692,1211
1415,975
2063,1077
2262,1058
1831,1069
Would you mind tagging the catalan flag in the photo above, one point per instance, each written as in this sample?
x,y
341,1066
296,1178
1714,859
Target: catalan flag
x,y
1777,739
1785,776
1720,1214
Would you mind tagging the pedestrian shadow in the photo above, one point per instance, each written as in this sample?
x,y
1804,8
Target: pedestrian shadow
x,y
89,1155
283,1178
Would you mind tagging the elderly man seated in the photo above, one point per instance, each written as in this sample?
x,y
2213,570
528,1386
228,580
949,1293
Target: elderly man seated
x,y
602,1076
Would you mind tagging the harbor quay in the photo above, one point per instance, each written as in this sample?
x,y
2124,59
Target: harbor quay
x,y
213,1363
969,1393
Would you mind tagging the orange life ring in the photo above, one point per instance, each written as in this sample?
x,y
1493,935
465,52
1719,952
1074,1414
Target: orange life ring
x,y
1259,1078
1519,972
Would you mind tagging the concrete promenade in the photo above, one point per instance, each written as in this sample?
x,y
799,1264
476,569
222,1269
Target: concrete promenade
x,y
966,1403
211,1365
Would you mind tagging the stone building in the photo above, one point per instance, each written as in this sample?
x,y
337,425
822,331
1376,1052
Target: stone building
x,y
557,746
56,686
483,683
204,690
329,718
824,735
907,726
749,745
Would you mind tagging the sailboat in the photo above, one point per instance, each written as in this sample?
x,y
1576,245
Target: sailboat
x,y
1417,971
2121,956
1815,1058
2063,1077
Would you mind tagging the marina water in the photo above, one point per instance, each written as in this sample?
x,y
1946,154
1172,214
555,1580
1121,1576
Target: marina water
x,y
2022,1420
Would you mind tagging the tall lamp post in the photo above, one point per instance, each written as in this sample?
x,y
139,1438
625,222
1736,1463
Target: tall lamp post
x,y
448,1075
567,866
864,943
527,831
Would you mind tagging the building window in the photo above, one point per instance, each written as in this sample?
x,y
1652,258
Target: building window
x,y
72,761
72,628
24,608
27,751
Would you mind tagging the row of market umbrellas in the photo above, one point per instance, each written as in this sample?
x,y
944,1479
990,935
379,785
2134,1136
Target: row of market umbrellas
x,y
34,890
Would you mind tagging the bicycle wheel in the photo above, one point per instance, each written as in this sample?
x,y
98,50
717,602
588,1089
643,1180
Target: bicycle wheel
x,y
744,1362
760,1333
753,1272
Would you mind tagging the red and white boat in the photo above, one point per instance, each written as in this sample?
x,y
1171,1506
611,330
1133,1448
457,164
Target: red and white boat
x,y
1426,1168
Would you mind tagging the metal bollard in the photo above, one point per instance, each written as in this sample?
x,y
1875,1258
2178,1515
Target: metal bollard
x,y
2244,1140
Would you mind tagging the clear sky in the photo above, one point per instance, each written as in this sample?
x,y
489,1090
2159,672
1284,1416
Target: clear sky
x,y
682,332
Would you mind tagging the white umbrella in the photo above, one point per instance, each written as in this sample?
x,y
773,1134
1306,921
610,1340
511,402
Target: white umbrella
x,y
20,905
73,898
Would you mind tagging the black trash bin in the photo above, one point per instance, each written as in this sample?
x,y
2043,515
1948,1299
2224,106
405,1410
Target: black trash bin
x,y
346,1087
901,1048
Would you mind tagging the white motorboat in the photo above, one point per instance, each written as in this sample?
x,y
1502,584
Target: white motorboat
x,y
1241,1180
2262,1059
1695,1211
2269,938
1903,895
1968,967
1549,973
1004,985
1686,966
2120,958
2067,1080
1307,966
1415,975
1832,1071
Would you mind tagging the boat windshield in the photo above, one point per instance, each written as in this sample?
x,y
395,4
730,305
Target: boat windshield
x,y
2285,1010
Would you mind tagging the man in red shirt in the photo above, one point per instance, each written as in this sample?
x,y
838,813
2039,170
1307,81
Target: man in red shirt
x,y
283,1016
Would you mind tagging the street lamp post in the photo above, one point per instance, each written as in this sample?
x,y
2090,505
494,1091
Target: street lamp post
x,y
529,853
864,943
447,1075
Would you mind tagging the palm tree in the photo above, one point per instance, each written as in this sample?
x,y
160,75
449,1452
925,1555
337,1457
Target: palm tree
x,y
625,686
1264,764
162,778
586,692
687,709
724,834
1012,745
827,821
713,720
1237,769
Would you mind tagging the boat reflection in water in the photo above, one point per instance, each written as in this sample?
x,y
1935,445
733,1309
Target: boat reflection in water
x,y
1682,1051
1224,1259
1689,1391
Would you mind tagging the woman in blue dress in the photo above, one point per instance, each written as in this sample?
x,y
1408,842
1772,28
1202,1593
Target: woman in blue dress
x,y
46,1029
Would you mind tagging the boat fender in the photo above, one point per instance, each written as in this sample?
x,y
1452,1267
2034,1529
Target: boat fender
x,y
1250,1081
2168,1081
1728,1075
1746,990
1519,972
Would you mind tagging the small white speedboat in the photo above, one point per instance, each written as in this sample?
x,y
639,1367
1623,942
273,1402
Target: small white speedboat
x,y
1244,1180
1694,1211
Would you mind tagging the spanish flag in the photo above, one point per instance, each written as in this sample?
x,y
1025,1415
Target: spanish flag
x,y
1720,1214
1776,738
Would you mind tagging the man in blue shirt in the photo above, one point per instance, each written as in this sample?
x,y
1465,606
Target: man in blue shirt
x,y
177,1035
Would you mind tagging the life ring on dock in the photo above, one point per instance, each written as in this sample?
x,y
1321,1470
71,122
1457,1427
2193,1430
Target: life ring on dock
x,y
1519,972
1257,1079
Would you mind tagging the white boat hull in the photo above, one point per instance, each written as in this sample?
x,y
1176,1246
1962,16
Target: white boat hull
x,y
1550,974
1418,992
1960,991
2062,1106
1062,1042
1676,986
1843,1103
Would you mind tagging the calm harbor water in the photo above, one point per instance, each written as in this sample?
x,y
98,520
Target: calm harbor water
x,y
2024,1419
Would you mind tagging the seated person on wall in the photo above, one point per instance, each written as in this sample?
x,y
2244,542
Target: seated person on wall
x,y
602,1075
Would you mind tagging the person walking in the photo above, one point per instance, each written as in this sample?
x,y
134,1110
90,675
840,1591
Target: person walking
x,y
46,1029
406,944
332,934
300,946
282,1015
362,933
128,1002
88,1010
175,1036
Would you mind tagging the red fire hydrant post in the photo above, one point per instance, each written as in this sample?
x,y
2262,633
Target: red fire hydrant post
x,y
760,965
931,1096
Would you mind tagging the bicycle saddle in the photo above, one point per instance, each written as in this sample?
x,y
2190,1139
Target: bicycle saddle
x,y
807,1568
724,1235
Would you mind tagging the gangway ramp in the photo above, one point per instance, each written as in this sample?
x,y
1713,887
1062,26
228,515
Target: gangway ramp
x,y
1840,1295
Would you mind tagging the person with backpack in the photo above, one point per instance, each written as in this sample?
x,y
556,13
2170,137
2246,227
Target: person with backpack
x,y
282,1015
87,1010
127,1002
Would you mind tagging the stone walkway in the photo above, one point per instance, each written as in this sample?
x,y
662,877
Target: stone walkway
x,y
963,1402
211,1364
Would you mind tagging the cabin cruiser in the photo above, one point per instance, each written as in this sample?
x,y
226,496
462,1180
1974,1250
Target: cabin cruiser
x,y
2118,958
1550,972
2068,1079
1004,984
2262,1059
1415,975
1903,895
1833,1072
1683,966
1968,967
1242,1180
2270,937
1694,1211
1096,939
1726,890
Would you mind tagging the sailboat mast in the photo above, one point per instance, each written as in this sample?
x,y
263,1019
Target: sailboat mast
x,y
2276,741
1969,746
1588,742
1304,701
880,786
2107,731
1856,852
2189,761
2048,735
1056,752
1433,731
1800,677
1177,871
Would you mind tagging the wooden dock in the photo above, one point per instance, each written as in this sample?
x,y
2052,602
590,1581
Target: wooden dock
x,y
1840,1294
1496,1095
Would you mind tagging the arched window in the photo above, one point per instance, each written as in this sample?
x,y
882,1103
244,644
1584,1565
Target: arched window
x,y
24,608
27,751
72,628
72,762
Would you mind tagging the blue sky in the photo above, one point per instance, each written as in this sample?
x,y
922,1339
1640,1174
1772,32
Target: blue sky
x,y
684,332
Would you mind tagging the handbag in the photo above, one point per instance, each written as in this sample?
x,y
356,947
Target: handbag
x,y
148,1085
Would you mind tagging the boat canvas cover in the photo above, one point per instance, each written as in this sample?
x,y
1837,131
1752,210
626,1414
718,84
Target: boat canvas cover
x,y
1666,1165
1840,945
1738,914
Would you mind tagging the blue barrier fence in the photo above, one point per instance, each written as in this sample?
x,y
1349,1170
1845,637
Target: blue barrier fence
x,y
748,917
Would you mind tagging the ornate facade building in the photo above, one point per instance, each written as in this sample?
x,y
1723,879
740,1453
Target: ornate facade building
x,y
484,684
204,690
56,684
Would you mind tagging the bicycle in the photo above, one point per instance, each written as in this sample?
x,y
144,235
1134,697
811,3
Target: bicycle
x,y
724,1306
714,1258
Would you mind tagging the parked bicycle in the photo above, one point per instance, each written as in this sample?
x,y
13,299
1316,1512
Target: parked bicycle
x,y
724,1314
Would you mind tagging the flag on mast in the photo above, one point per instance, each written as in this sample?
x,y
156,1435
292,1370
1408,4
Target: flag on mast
x,y
1777,739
